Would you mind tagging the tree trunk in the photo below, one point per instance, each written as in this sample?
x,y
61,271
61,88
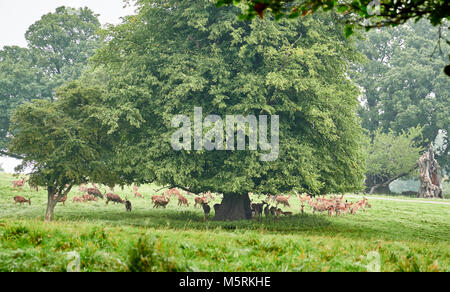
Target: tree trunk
x,y
430,176
51,204
52,201
234,207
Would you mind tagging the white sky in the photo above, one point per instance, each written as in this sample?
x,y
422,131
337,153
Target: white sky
x,y
17,15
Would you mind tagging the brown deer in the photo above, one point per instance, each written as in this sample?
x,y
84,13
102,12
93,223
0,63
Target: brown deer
x,y
157,197
200,201
19,183
182,201
95,192
161,202
282,200
77,199
114,198
139,195
89,198
62,200
21,200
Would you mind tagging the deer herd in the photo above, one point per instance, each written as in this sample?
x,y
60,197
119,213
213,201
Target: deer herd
x,y
334,205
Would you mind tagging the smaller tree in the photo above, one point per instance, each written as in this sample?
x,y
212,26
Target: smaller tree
x,y
63,142
390,157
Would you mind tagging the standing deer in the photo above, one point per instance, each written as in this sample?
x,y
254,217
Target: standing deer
x,y
62,200
200,201
283,200
19,183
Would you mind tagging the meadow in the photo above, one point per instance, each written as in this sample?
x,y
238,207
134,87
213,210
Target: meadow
x,y
390,236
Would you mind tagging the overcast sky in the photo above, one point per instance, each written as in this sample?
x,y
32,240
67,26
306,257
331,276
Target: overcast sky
x,y
17,15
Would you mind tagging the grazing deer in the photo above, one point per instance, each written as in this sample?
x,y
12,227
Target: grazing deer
x,y
114,198
77,200
137,194
19,183
21,200
89,198
95,192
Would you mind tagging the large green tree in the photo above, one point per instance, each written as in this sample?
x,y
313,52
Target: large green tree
x,y
403,86
59,45
64,143
177,55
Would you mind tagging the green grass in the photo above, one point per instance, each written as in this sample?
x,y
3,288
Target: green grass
x,y
407,236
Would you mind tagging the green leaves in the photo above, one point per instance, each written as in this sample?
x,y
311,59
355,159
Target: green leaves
x,y
175,56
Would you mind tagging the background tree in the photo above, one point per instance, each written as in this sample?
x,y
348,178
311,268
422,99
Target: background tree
x,y
59,45
63,142
390,157
403,85
19,82
1,168
175,55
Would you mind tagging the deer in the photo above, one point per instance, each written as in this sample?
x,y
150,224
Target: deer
x,y
206,210
172,192
62,200
77,199
283,200
128,206
200,200
182,201
95,192
161,202
21,200
114,198
139,195
156,197
89,198
258,208
19,183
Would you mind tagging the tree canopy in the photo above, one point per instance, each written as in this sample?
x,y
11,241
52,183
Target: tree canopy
x,y
403,85
174,56
59,45
63,142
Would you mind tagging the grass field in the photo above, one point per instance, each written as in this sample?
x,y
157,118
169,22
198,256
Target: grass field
x,y
391,236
